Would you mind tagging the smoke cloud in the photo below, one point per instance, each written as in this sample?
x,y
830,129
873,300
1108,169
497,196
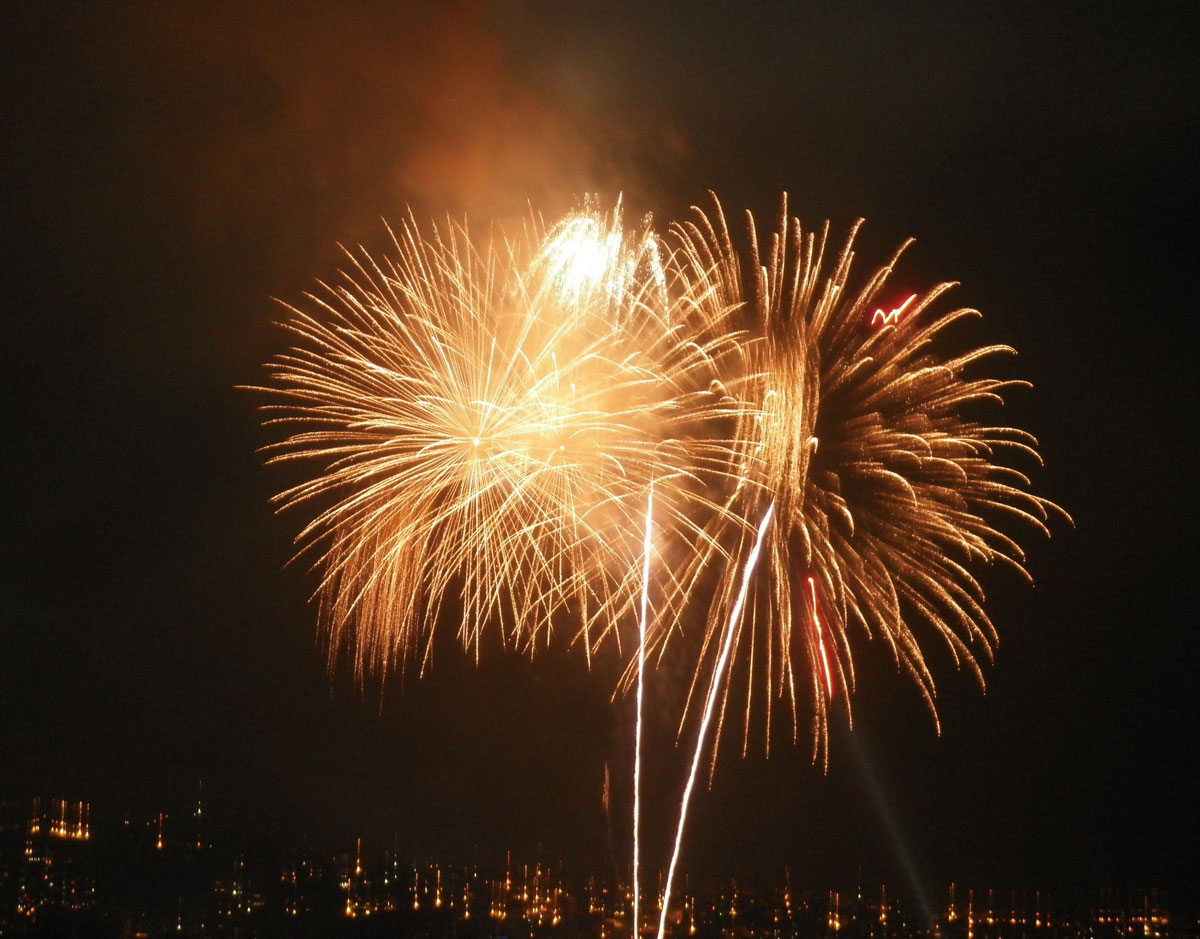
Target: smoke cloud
x,y
286,123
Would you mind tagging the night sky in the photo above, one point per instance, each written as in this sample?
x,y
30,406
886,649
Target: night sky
x,y
168,169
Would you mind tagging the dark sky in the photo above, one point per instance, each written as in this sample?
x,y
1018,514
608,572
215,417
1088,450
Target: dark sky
x,y
169,170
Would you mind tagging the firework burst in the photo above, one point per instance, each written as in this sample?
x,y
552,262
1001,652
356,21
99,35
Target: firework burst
x,y
855,432
871,487
486,423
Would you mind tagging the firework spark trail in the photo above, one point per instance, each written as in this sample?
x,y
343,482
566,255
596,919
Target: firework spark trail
x,y
816,618
637,746
709,704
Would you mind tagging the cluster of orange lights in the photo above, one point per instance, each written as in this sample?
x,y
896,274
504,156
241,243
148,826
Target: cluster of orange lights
x,y
67,820
428,889
537,901
50,875
534,897
615,908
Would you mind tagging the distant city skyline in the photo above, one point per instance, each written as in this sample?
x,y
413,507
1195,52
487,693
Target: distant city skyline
x,y
157,876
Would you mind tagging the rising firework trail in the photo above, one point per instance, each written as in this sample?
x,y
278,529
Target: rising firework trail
x,y
637,744
715,683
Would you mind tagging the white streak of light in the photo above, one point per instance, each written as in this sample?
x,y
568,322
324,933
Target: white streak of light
x,y
637,746
718,674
